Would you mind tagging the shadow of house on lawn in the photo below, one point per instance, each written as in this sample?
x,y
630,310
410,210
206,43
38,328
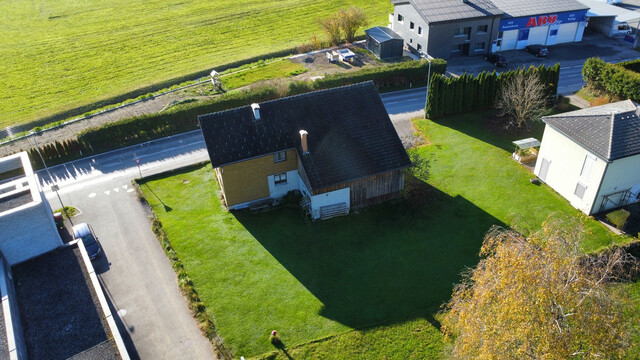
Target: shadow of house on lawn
x,y
387,263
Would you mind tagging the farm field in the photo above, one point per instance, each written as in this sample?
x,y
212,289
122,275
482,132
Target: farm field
x,y
60,56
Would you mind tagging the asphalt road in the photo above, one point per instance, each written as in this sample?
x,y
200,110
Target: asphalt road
x,y
134,270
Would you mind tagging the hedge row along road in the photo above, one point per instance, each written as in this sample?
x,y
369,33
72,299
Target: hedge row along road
x,y
59,56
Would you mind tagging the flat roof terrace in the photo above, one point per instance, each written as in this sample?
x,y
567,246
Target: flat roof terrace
x,y
60,312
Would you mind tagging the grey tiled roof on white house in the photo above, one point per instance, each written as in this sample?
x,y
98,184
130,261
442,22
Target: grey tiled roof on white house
x,y
518,8
435,11
610,131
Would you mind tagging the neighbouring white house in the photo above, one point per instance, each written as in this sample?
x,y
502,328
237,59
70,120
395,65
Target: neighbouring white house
x,y
592,156
26,220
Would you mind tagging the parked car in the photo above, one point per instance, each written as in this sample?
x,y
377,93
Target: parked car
x,y
57,217
85,233
496,59
537,50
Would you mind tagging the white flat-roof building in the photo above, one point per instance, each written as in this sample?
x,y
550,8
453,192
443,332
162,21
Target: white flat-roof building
x,y
26,220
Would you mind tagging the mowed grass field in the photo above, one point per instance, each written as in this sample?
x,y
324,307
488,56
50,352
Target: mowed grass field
x,y
61,55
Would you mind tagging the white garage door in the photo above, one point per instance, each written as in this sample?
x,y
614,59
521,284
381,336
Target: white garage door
x,y
509,39
538,35
567,32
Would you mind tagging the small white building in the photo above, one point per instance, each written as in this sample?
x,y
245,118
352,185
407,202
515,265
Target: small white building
x,y
592,156
26,220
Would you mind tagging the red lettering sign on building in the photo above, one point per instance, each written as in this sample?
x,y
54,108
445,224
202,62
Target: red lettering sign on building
x,y
542,20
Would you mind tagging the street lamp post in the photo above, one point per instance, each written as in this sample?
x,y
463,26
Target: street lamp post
x,y
426,100
54,187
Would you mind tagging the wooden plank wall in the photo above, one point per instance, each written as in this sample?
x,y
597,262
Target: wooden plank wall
x,y
372,190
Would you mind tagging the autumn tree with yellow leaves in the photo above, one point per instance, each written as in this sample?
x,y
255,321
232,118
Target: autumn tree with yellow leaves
x,y
539,298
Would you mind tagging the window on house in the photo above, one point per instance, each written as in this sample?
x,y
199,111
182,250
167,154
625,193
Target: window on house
x,y
279,156
479,46
580,190
463,32
482,29
419,47
410,41
500,33
553,32
457,48
419,30
280,178
586,166
412,25
400,18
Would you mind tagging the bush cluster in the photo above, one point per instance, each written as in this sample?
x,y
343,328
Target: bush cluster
x,y
621,80
454,95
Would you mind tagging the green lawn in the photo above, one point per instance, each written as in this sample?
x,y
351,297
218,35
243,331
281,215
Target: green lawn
x,y
472,162
386,269
277,271
277,69
60,55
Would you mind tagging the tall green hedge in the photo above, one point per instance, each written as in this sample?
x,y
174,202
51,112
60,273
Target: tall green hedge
x,y
633,65
621,80
454,95
389,76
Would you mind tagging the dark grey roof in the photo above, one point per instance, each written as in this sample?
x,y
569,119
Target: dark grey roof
x,y
447,10
518,8
610,136
60,312
382,34
13,201
350,134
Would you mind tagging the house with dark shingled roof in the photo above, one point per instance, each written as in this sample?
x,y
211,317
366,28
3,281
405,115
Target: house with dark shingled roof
x,y
592,156
337,147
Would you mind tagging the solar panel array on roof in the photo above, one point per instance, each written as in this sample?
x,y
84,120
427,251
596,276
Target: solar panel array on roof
x,y
446,10
519,8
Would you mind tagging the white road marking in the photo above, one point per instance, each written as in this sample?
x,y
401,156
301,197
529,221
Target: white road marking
x,y
92,195
130,190
116,189
125,186
107,192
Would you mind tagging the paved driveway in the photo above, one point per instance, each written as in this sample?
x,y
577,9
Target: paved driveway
x,y
137,275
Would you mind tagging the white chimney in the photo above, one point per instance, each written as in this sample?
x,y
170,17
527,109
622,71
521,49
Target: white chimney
x,y
256,111
303,141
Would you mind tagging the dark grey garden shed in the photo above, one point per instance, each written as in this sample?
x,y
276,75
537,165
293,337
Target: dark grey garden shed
x,y
384,43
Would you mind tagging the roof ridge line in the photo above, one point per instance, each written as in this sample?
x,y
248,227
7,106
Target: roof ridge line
x,y
613,121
